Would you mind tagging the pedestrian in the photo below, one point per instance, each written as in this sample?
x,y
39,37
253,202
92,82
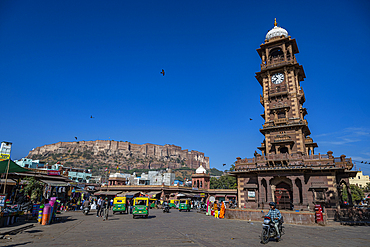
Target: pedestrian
x,y
208,210
99,208
222,211
216,209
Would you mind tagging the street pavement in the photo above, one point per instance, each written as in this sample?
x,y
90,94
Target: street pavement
x,y
177,229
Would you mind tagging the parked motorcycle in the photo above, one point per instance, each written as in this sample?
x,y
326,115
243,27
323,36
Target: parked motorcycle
x,y
86,210
269,230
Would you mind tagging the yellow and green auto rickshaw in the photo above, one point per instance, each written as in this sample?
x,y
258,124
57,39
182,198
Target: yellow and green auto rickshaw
x,y
173,203
119,205
141,207
152,203
184,205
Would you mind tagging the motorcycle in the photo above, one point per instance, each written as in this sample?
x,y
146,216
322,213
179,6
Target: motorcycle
x,y
86,210
166,209
269,230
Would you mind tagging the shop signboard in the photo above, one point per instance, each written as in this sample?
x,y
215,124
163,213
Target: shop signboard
x,y
251,194
54,173
5,150
2,200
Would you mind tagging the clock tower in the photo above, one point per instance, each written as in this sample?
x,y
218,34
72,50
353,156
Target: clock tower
x,y
288,172
285,129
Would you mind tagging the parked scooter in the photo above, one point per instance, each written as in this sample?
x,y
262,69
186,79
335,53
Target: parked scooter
x,y
269,230
86,210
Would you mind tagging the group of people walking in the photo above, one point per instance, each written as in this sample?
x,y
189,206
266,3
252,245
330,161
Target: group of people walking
x,y
216,209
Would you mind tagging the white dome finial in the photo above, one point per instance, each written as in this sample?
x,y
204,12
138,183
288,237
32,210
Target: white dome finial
x,y
276,32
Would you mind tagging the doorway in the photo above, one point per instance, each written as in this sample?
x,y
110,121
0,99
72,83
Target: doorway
x,y
283,196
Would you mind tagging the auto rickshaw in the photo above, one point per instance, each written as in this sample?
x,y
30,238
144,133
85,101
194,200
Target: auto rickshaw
x,y
173,203
119,205
152,203
184,205
141,207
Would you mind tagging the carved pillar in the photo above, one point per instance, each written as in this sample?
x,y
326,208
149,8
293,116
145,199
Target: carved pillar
x,y
295,190
305,188
269,191
261,193
284,51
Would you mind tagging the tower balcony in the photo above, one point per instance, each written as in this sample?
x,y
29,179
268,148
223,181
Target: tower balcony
x,y
282,139
280,121
284,122
293,161
279,61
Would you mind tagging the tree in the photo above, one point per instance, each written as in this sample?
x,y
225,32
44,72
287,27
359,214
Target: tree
x,y
367,187
224,182
356,192
33,188
215,172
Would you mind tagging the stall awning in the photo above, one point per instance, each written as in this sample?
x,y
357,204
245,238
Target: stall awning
x,y
128,194
55,183
13,167
153,194
107,193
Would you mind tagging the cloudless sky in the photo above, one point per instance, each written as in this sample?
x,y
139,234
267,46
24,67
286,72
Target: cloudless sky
x,y
63,61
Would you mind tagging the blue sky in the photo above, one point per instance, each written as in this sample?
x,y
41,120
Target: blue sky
x,y
63,61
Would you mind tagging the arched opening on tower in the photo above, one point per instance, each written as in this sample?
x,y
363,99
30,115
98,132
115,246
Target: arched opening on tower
x,y
284,150
276,54
298,183
283,196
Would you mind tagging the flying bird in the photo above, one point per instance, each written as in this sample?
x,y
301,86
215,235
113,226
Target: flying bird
x,y
250,119
76,138
162,72
92,116
224,165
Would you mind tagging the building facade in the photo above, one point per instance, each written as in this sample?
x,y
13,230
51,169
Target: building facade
x,y
200,179
288,171
360,180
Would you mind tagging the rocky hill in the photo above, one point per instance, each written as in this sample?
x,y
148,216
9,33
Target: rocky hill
x,y
99,154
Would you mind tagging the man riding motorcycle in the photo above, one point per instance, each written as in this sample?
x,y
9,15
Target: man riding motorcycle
x,y
275,216
166,207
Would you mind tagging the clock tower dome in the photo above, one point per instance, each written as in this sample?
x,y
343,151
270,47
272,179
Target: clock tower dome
x,y
285,129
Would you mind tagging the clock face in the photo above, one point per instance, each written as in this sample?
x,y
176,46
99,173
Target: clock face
x,y
277,78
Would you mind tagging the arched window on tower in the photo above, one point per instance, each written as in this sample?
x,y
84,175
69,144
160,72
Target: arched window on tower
x,y
284,150
276,55
201,184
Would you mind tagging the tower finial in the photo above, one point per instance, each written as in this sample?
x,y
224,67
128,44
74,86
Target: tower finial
x,y
275,24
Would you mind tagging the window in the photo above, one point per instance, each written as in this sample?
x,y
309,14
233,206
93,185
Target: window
x,y
281,114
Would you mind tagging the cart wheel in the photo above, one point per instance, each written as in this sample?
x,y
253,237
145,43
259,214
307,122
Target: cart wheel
x,y
133,216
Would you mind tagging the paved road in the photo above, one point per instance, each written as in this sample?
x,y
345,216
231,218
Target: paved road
x,y
178,229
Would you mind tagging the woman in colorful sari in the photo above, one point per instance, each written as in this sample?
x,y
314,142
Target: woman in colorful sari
x,y
208,210
222,211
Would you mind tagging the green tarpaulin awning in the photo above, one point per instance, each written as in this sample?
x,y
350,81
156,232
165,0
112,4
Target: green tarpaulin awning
x,y
13,167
